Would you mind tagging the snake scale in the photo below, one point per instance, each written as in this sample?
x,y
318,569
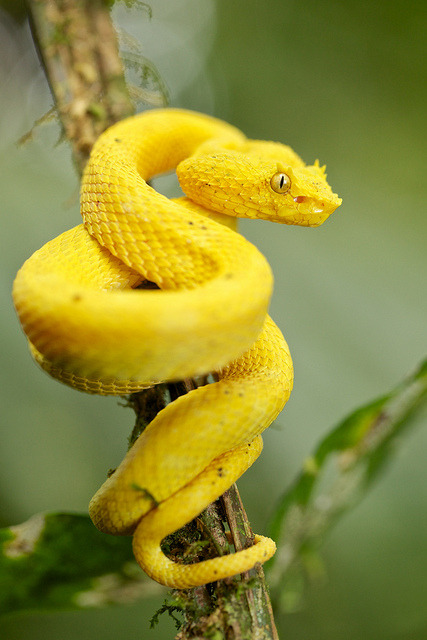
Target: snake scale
x,y
90,326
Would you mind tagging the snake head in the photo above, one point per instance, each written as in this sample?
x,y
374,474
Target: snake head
x,y
309,200
257,179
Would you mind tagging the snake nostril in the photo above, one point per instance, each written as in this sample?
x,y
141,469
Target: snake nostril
x,y
300,199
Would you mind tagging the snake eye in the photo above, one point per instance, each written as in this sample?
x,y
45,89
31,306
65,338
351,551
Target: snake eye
x,y
280,183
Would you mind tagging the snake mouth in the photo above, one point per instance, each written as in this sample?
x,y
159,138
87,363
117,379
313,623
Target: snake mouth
x,y
311,197
311,212
310,205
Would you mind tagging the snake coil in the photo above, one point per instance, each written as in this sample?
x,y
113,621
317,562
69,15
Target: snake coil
x,y
89,325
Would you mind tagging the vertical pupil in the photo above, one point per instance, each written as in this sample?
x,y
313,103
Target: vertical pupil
x,y
282,180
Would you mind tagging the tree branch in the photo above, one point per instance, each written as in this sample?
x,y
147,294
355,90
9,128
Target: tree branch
x,y
77,45
78,48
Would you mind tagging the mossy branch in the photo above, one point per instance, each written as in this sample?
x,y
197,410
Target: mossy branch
x,y
77,46
78,49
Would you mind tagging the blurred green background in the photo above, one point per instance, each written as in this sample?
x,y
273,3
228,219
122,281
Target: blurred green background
x,y
344,82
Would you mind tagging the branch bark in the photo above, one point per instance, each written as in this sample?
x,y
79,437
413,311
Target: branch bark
x,y
78,49
77,46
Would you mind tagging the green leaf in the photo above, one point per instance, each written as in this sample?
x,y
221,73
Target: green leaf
x,y
340,472
61,561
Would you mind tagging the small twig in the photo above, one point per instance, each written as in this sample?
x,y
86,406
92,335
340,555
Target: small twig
x,y
257,597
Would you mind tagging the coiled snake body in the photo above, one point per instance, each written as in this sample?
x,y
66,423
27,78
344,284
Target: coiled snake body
x,y
89,326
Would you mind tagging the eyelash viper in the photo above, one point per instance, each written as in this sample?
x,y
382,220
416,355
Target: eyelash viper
x,y
90,327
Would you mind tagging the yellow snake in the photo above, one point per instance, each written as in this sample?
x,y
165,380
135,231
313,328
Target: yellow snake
x,y
91,327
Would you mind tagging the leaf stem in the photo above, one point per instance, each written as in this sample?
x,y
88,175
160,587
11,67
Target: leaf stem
x,y
353,453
